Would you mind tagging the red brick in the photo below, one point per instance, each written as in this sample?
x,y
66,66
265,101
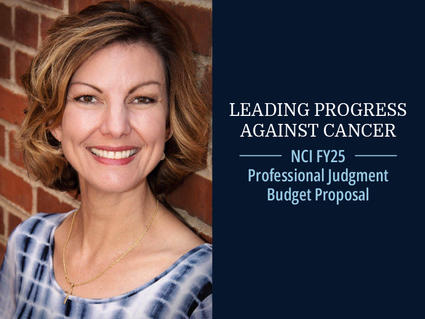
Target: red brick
x,y
47,203
26,27
15,189
12,106
13,222
15,154
46,23
197,21
22,62
2,252
2,137
78,5
4,62
195,197
52,3
1,222
6,22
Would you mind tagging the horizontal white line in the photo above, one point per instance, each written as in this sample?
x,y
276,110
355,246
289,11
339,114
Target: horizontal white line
x,y
376,155
260,155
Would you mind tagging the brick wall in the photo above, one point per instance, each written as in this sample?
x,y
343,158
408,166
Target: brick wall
x,y
23,26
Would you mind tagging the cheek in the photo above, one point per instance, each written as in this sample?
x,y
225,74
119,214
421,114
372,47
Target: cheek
x,y
151,126
77,123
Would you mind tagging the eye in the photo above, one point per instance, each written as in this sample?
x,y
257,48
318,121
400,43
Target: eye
x,y
142,100
86,99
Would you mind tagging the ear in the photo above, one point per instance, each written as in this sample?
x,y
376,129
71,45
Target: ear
x,y
169,133
57,132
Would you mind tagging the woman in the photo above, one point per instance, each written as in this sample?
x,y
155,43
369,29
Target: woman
x,y
114,114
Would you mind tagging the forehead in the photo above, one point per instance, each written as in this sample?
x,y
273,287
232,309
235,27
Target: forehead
x,y
120,64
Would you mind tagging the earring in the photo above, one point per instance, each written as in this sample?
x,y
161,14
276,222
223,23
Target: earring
x,y
163,156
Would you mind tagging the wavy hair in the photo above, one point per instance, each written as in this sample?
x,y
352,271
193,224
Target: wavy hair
x,y
70,41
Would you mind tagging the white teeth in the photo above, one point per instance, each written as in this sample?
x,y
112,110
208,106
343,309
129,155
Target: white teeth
x,y
113,155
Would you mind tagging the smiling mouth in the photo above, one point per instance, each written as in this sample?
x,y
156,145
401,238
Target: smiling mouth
x,y
113,154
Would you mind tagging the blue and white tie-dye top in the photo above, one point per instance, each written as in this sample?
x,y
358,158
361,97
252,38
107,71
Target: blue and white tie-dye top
x,y
28,288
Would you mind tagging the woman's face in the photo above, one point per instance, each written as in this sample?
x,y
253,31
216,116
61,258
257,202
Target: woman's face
x,y
113,128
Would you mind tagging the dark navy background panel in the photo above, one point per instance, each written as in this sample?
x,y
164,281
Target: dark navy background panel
x,y
318,260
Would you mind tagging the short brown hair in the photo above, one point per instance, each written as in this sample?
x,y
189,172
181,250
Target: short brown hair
x,y
71,40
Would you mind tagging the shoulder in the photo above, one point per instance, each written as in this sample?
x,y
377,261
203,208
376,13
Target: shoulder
x,y
41,220
205,250
201,254
201,258
31,237
199,261
195,266
39,225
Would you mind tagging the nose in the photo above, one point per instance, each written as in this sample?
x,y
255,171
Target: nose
x,y
116,121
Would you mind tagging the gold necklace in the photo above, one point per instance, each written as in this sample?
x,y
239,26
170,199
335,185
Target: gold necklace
x,y
74,284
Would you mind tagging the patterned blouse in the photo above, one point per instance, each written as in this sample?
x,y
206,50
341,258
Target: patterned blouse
x,y
28,288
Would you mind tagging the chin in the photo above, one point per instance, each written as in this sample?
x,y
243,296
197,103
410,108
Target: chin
x,y
115,185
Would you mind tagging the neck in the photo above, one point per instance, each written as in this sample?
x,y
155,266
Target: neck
x,y
107,222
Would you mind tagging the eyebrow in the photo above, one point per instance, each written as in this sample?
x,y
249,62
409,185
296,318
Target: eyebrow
x,y
129,92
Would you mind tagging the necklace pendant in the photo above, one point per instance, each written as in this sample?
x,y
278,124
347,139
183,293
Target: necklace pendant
x,y
66,298
68,293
